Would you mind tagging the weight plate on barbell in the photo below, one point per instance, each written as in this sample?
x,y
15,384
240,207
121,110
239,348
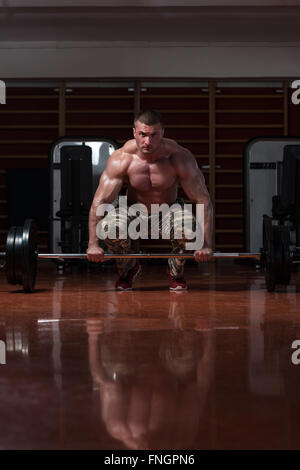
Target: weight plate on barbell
x,y
29,245
276,254
9,256
18,255
283,259
268,254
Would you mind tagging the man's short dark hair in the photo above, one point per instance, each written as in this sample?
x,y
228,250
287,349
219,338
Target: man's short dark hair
x,y
149,117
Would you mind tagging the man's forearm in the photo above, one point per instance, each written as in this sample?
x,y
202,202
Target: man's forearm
x,y
208,222
208,225
93,222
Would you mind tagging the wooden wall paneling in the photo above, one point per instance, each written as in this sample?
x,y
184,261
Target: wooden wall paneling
x,y
212,154
286,107
214,122
62,109
137,97
29,123
293,114
185,110
3,202
242,112
104,109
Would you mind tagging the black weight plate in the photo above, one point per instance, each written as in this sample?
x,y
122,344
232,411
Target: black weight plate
x,y
266,235
287,256
29,244
268,254
9,256
18,255
282,241
270,277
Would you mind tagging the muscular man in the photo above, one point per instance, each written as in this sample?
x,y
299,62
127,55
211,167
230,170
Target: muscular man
x,y
152,167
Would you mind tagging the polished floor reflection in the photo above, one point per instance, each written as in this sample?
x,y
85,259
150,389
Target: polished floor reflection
x,y
85,367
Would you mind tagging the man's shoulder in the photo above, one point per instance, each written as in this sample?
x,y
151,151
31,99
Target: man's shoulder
x,y
170,145
183,161
119,160
124,153
176,151
129,148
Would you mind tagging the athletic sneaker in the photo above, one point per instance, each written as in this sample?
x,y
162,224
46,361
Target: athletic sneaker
x,y
125,283
176,283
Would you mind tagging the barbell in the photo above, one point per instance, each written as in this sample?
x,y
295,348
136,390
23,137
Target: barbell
x,y
21,255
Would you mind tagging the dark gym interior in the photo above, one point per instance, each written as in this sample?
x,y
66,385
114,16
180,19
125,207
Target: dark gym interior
x,y
83,365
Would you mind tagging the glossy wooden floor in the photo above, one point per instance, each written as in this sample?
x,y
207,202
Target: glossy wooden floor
x,y
91,368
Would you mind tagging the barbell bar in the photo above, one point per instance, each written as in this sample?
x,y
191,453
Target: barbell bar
x,y
21,256
144,255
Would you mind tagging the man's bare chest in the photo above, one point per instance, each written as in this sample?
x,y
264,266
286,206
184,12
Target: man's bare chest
x,y
144,176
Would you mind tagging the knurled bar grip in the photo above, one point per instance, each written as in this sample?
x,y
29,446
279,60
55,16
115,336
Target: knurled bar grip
x,y
145,255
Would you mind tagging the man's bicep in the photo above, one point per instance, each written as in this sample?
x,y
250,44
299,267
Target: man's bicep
x,y
191,177
195,188
108,189
111,180
200,179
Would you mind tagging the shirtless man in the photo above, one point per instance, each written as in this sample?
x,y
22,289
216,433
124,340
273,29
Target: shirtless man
x,y
152,168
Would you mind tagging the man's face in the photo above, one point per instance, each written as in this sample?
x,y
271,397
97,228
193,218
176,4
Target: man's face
x,y
148,138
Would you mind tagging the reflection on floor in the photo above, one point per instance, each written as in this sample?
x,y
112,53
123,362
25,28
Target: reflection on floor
x,y
86,367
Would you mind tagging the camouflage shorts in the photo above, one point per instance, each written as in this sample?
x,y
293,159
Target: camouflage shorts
x,y
169,225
